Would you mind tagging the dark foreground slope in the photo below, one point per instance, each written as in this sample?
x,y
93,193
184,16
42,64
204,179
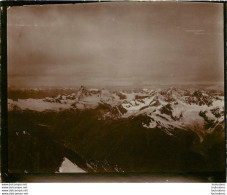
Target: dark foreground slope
x,y
38,142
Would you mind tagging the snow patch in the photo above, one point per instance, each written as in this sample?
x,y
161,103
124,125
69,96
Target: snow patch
x,y
36,104
68,167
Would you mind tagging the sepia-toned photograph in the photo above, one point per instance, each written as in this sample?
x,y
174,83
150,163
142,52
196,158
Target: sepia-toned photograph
x,y
117,87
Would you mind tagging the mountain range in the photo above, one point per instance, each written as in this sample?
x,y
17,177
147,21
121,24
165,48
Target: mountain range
x,y
189,118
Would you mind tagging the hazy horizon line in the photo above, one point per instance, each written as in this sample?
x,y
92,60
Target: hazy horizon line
x,y
154,85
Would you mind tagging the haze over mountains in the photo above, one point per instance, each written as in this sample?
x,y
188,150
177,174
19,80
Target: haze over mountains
x,y
115,44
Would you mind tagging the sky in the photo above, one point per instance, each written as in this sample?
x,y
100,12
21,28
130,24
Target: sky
x,y
115,44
